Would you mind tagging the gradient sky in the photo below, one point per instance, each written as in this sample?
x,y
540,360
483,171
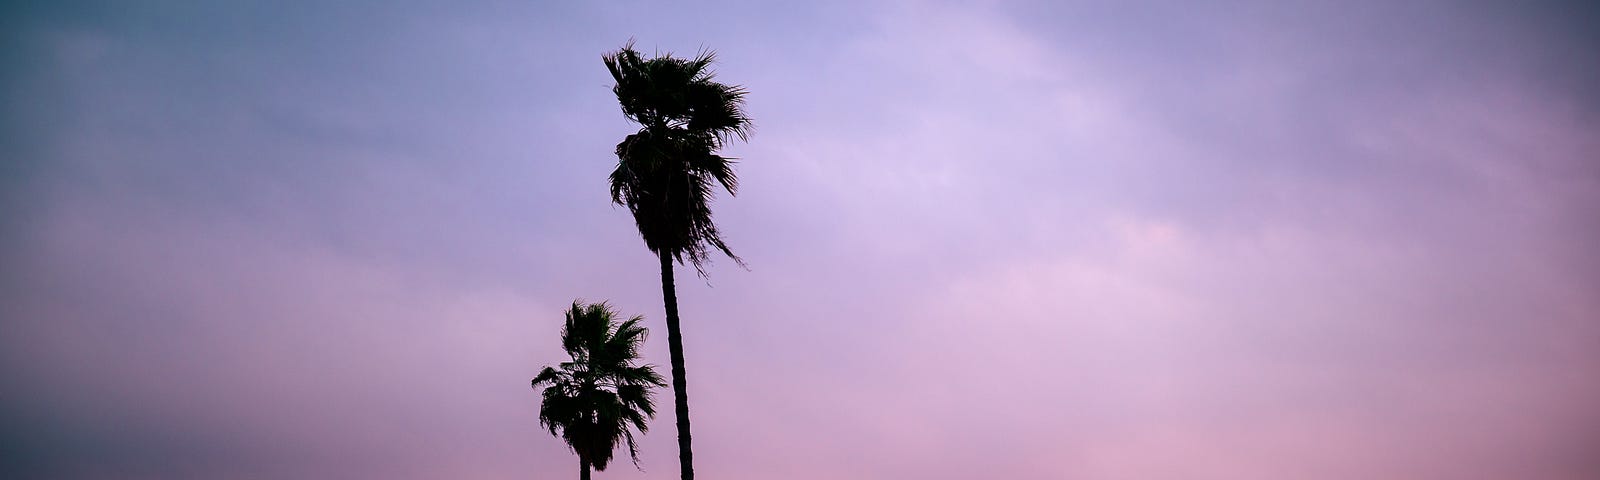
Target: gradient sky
x,y
1052,240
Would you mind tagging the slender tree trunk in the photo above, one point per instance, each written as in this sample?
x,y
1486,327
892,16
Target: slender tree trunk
x,y
680,390
583,473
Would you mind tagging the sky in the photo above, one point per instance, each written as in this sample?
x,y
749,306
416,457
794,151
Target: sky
x,y
1034,240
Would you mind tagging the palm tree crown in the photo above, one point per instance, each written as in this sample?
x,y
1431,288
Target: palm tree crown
x,y
667,172
592,401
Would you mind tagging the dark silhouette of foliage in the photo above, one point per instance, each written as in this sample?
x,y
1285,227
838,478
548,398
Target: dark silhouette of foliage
x,y
667,174
592,401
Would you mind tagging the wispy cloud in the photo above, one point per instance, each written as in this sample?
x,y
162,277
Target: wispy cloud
x,y
1036,240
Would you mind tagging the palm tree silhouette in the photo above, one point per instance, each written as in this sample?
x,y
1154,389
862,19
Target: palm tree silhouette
x,y
591,401
667,173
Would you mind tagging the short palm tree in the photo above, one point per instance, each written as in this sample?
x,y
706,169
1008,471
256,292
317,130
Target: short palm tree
x,y
667,173
592,401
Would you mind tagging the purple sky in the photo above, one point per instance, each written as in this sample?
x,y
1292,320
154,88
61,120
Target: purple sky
x,y
1097,241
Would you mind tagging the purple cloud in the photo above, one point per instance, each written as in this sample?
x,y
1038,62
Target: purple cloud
x,y
1030,240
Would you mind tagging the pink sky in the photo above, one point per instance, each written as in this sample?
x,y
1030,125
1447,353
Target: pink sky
x,y
1050,240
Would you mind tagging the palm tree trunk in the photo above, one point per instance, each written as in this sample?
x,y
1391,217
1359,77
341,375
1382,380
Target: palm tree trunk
x,y
680,390
583,474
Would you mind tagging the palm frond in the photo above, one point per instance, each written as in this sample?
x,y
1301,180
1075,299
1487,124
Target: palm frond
x,y
595,401
666,170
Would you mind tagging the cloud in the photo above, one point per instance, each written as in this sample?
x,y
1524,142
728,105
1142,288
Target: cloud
x,y
1030,240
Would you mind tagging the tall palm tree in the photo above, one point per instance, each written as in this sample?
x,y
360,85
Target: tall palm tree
x,y
667,173
593,400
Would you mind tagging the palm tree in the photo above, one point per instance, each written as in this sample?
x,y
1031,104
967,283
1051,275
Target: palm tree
x,y
591,401
667,173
